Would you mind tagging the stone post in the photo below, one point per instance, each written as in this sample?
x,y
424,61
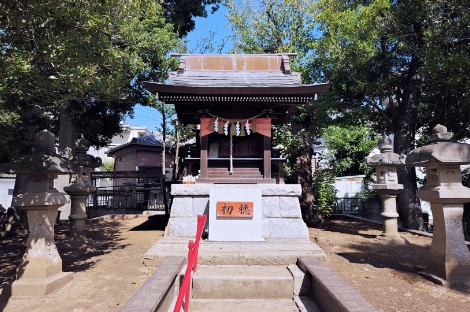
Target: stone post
x,y
387,186
449,257
79,190
40,270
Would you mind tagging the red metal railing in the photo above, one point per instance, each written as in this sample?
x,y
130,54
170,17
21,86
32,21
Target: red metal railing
x,y
185,289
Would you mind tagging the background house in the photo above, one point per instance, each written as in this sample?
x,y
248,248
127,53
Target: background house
x,y
142,153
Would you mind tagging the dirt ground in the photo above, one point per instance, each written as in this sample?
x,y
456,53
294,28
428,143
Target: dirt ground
x,y
106,277
386,274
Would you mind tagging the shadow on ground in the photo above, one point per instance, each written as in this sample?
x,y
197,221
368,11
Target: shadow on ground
x,y
155,222
360,245
104,236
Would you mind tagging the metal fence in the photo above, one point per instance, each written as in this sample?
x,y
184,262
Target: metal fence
x,y
129,197
353,206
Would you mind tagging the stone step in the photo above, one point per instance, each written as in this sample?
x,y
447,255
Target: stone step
x,y
235,180
234,169
199,305
235,174
241,282
272,252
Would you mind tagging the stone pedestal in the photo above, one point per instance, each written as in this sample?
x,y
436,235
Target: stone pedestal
x,y
78,196
40,270
387,186
449,258
79,190
281,216
389,213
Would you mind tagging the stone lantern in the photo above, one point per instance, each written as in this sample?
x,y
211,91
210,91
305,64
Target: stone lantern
x,y
449,257
387,186
80,189
40,270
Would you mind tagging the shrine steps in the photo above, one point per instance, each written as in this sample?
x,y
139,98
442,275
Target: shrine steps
x,y
235,180
201,305
244,288
253,173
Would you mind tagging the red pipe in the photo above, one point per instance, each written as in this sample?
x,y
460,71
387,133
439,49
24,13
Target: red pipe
x,y
193,253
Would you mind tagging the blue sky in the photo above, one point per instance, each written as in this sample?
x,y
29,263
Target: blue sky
x,y
149,117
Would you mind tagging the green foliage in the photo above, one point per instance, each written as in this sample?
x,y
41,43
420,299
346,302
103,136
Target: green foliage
x,y
324,191
108,165
86,55
347,148
180,13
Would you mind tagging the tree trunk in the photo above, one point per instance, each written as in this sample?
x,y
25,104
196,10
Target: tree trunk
x,y
30,133
408,204
67,138
304,175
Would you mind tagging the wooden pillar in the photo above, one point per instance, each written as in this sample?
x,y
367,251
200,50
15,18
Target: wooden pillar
x,y
204,161
267,157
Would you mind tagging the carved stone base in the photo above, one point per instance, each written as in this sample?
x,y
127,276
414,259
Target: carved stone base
x,y
40,270
37,287
449,257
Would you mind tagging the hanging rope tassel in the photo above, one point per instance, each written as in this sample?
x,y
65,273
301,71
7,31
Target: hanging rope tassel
x,y
233,130
242,129
211,125
221,127
253,126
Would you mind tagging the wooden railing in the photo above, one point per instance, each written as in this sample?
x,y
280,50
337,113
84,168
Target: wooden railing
x,y
185,289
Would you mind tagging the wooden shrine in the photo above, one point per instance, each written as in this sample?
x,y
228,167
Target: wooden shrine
x,y
235,99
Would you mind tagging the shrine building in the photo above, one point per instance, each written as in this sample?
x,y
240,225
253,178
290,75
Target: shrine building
x,y
235,98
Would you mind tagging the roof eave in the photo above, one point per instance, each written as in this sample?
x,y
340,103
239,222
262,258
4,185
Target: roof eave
x,y
161,88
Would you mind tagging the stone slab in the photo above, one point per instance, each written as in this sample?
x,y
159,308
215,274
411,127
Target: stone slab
x,y
261,282
181,227
287,228
182,207
158,291
266,189
200,305
301,281
330,291
289,207
269,252
26,288
271,207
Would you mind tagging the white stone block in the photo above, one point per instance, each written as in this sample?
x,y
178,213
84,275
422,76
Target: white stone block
x,y
271,207
287,228
265,229
266,189
290,207
280,189
181,227
235,228
182,207
200,204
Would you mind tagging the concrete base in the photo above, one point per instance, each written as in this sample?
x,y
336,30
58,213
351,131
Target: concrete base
x,y
242,283
201,305
25,288
280,209
269,252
